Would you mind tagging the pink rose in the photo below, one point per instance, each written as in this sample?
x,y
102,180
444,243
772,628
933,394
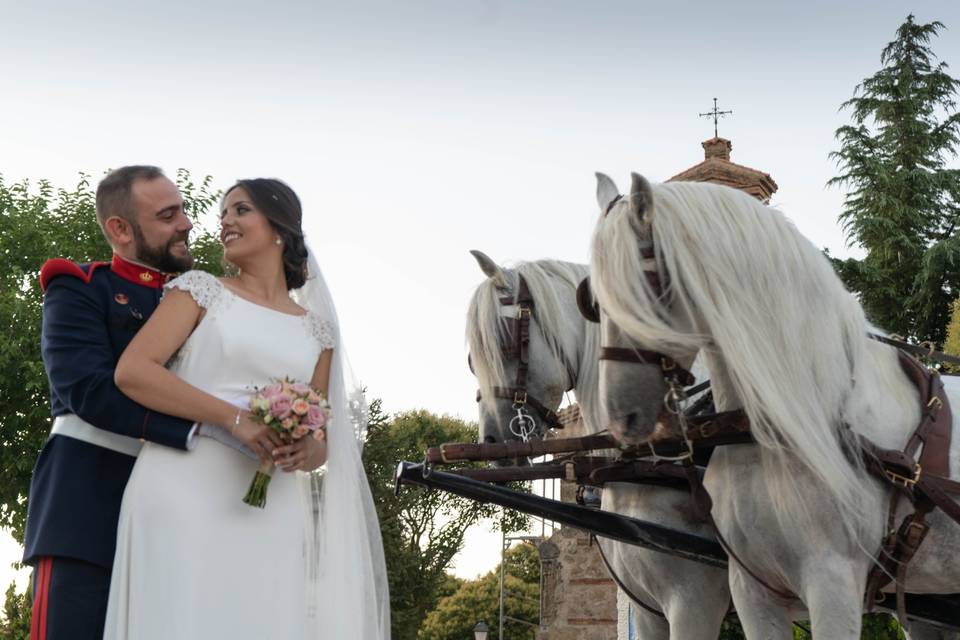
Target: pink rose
x,y
300,430
300,406
280,406
272,391
300,389
287,423
315,417
313,397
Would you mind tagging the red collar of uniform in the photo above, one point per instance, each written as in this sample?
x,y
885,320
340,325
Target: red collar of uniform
x,y
137,273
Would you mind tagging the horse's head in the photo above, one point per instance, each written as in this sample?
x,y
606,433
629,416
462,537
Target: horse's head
x,y
635,371
518,360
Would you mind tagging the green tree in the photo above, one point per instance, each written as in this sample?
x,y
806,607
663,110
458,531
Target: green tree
x,y
903,203
422,530
455,616
16,615
952,344
38,222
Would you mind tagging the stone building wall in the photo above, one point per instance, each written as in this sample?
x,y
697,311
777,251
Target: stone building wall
x,y
578,597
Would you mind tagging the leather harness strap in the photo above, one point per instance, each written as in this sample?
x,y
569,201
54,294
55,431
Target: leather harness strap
x,y
924,481
708,430
642,356
623,587
519,348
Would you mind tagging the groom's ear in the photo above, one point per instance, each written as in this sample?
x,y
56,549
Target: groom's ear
x,y
119,232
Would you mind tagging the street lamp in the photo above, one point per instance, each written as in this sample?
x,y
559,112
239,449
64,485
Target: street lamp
x,y
480,631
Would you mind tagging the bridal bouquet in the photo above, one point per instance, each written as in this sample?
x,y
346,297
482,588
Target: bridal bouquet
x,y
292,409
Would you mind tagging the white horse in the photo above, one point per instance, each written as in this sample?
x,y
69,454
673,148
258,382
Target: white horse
x,y
786,342
563,353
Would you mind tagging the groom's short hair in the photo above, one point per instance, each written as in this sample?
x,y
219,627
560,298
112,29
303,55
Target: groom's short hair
x,y
114,193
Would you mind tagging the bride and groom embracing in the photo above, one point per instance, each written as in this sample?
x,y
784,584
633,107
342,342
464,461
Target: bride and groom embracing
x,y
136,528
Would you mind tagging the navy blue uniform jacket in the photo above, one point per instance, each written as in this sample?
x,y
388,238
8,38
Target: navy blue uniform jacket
x,y
90,314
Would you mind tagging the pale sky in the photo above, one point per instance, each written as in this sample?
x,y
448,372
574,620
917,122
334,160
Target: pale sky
x,y
417,131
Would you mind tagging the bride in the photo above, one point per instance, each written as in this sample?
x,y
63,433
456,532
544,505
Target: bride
x,y
193,560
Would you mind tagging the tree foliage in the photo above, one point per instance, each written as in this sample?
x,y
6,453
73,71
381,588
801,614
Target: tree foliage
x,y
455,616
903,202
16,615
952,343
422,530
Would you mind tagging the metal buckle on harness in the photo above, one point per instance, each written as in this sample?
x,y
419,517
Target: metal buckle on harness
x,y
935,403
896,478
708,429
523,311
517,400
667,364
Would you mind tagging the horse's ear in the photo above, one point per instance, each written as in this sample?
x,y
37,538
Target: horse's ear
x,y
490,269
641,195
607,191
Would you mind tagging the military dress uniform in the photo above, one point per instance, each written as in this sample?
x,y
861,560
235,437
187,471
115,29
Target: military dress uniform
x,y
90,314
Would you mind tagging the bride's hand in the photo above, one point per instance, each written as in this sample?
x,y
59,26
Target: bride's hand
x,y
258,437
306,454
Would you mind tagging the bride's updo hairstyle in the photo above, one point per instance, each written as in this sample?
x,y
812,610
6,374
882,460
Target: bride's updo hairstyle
x,y
281,206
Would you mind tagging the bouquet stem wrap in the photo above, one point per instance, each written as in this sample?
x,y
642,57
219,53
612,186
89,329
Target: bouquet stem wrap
x,y
257,493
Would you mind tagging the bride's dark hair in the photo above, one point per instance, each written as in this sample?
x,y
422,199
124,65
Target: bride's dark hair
x,y
281,206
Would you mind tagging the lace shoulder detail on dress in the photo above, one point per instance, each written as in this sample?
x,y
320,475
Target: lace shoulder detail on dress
x,y
321,330
203,287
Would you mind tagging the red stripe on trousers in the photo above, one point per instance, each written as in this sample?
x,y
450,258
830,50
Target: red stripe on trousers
x,y
46,598
38,622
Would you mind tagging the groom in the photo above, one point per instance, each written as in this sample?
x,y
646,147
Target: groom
x,y
90,314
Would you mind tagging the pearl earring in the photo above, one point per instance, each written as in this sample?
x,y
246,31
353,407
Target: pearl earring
x,y
278,241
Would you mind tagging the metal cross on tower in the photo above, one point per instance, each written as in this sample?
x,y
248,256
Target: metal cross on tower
x,y
715,114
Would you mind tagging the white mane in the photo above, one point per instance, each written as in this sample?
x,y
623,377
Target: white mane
x,y
552,284
767,302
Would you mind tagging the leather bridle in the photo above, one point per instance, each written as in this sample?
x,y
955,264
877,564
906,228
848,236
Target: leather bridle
x,y
590,310
519,348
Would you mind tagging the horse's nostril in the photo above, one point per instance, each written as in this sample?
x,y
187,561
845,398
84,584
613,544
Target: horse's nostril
x,y
490,439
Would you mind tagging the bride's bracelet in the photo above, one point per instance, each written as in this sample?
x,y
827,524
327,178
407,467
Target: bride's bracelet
x,y
236,423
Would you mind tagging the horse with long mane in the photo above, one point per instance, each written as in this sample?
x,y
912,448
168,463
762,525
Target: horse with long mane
x,y
562,354
787,343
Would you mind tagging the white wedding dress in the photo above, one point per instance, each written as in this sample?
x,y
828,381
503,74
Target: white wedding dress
x,y
193,561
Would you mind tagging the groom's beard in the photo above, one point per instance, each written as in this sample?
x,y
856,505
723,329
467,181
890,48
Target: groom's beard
x,y
161,258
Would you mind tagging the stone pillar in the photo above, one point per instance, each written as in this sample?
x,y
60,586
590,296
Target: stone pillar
x,y
578,597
